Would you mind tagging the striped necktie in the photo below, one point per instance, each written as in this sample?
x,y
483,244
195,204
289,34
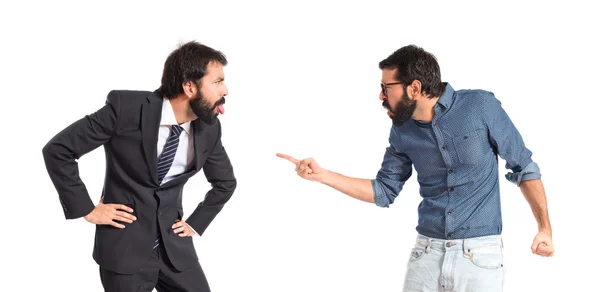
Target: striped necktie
x,y
165,160
166,157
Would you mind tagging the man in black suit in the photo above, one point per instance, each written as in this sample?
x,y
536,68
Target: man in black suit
x,y
154,142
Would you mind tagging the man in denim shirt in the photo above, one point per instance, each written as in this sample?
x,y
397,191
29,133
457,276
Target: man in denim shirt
x,y
453,139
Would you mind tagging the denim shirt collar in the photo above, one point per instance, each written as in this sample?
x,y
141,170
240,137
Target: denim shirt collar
x,y
447,97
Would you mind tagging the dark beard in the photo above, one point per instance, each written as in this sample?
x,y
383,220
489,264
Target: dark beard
x,y
404,109
203,110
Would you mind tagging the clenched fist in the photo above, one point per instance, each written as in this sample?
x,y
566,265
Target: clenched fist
x,y
542,244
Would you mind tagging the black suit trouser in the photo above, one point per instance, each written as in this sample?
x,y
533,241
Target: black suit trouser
x,y
157,273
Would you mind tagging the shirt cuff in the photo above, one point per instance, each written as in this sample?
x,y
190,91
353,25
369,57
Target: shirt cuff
x,y
195,233
379,196
530,172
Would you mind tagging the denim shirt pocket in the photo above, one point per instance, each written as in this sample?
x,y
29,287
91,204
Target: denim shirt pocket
x,y
469,147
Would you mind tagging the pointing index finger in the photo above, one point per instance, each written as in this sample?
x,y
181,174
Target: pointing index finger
x,y
289,158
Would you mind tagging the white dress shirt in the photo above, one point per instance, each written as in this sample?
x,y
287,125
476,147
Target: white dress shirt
x,y
184,157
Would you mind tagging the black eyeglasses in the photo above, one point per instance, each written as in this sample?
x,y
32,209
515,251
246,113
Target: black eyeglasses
x,y
384,87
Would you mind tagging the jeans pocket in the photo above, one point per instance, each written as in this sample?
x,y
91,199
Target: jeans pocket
x,y
487,257
416,254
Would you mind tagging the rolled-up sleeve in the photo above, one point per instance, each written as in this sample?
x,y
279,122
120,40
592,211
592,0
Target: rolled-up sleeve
x,y
530,172
395,170
509,144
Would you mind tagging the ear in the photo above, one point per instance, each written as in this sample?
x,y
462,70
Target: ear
x,y
414,89
189,88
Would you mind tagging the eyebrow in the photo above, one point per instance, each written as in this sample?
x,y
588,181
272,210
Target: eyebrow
x,y
220,79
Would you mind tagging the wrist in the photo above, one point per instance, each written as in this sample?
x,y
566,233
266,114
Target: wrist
x,y
546,230
325,176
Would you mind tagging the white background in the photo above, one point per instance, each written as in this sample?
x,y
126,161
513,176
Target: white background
x,y
303,80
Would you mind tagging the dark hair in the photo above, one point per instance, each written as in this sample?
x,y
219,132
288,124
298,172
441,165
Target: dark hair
x,y
414,63
187,63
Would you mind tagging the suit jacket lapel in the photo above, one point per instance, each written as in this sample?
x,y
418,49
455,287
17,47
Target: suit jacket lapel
x,y
151,114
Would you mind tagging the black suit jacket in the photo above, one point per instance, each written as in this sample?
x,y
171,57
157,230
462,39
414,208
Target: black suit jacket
x,y
127,127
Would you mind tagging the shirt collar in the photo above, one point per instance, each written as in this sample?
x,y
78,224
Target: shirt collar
x,y
447,97
168,116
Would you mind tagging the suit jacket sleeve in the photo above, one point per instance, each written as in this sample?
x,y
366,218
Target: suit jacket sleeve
x,y
219,173
63,150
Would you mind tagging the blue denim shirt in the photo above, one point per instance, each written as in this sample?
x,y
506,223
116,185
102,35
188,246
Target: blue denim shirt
x,y
455,157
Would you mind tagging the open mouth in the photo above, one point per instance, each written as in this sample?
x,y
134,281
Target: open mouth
x,y
220,105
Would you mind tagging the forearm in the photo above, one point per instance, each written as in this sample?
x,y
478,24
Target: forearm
x,y
358,188
534,193
212,205
64,174
62,151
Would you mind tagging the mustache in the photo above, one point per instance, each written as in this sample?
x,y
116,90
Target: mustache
x,y
386,104
219,102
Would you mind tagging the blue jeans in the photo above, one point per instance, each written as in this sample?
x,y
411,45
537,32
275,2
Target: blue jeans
x,y
459,265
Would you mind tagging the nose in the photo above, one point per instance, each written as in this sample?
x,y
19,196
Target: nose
x,y
381,96
226,91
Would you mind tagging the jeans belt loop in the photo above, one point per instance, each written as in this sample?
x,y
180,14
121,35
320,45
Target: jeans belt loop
x,y
428,247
